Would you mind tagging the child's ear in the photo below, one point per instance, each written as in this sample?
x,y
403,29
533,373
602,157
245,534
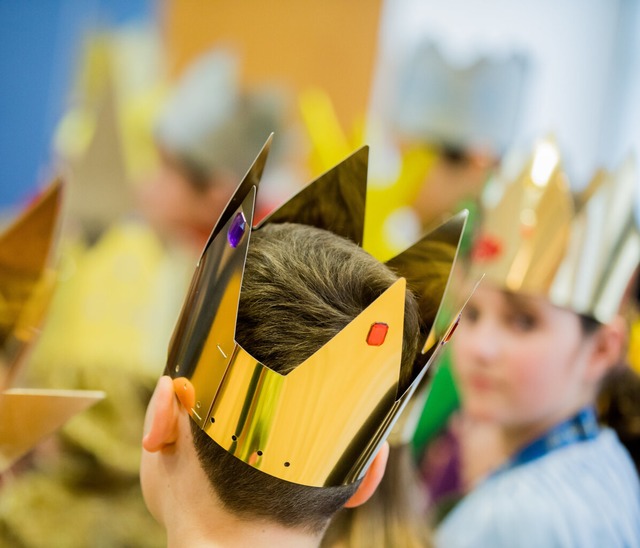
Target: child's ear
x,y
608,348
161,421
371,479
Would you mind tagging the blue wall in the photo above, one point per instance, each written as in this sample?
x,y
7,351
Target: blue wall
x,y
39,43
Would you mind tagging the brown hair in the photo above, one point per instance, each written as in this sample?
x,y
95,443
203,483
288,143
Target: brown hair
x,y
301,286
618,407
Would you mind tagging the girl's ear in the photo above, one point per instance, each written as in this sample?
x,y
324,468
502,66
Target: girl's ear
x,y
608,346
371,479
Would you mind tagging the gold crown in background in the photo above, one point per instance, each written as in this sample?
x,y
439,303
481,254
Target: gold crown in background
x,y
26,276
578,250
27,279
322,423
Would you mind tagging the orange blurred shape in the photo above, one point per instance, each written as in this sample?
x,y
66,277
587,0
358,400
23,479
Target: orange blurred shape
x,y
299,43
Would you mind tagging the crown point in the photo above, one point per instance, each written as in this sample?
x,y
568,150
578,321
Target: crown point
x,y
237,229
377,334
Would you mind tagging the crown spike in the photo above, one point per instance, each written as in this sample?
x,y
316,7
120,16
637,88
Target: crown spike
x,y
26,283
525,233
25,245
335,201
251,179
210,310
621,208
428,266
29,415
25,249
582,198
604,247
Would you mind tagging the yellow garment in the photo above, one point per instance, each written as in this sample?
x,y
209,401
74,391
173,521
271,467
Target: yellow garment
x,y
386,198
108,328
330,145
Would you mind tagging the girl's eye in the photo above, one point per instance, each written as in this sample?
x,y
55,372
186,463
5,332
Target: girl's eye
x,y
522,322
470,314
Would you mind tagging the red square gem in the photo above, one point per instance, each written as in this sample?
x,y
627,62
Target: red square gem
x,y
377,334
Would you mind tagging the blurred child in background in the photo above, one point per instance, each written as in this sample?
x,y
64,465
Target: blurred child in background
x,y
114,311
537,338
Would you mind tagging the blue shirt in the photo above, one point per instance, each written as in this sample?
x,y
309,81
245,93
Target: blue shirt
x,y
585,494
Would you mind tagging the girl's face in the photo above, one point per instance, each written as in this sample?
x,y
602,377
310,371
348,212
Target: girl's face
x,y
177,209
519,360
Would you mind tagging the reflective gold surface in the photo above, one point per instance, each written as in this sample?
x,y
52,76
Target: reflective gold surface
x,y
579,251
335,201
428,267
29,415
300,427
322,423
251,179
26,279
206,328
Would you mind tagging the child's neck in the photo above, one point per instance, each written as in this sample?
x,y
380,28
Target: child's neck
x,y
516,437
222,529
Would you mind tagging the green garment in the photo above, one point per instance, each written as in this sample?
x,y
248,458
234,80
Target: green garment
x,y
442,401
443,398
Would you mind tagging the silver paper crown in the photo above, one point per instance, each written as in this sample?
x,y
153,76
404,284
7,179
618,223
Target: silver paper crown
x,y
473,106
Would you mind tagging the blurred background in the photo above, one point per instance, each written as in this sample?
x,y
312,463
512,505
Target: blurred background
x,y
153,110
582,85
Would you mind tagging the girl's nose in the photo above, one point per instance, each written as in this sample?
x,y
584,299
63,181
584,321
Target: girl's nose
x,y
480,340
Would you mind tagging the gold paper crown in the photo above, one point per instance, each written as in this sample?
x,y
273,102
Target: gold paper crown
x,y
429,265
322,423
579,251
26,284
26,278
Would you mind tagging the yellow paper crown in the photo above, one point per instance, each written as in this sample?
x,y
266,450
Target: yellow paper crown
x,y
322,423
579,251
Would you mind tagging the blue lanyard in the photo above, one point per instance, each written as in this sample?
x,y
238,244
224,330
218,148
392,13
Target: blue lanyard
x,y
581,427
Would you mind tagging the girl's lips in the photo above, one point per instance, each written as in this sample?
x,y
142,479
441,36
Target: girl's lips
x,y
482,382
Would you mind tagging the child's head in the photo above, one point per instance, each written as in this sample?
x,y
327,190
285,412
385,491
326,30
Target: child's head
x,y
292,358
543,327
182,203
519,359
301,286
205,136
441,107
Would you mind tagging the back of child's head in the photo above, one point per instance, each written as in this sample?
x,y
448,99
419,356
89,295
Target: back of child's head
x,y
301,287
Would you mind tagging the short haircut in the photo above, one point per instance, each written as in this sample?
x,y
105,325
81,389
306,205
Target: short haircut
x,y
301,286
